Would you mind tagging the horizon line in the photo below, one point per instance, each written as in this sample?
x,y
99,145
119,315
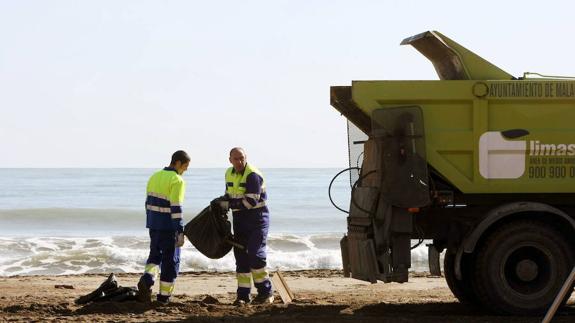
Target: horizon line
x,y
211,167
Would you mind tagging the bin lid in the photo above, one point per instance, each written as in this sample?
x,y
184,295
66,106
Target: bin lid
x,y
453,61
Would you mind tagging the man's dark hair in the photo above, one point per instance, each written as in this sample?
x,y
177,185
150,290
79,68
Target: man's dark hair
x,y
180,156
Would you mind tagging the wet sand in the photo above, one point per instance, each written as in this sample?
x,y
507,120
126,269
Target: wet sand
x,y
321,296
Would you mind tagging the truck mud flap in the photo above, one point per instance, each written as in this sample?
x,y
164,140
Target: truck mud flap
x,y
358,248
362,260
358,255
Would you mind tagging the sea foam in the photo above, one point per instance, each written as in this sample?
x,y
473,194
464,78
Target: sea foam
x,y
79,255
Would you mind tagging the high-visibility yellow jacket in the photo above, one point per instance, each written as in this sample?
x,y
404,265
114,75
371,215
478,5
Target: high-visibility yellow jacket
x,y
165,195
247,190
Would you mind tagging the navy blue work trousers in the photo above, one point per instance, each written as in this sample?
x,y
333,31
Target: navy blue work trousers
x,y
251,230
163,254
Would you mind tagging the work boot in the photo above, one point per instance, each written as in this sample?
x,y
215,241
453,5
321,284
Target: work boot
x,y
241,302
163,299
263,299
144,292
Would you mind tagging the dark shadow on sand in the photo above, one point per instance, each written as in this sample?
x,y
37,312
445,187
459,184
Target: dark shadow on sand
x,y
381,312
198,311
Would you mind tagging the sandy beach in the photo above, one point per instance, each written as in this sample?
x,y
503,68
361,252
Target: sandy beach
x,y
321,295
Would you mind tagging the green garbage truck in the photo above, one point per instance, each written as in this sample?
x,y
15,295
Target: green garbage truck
x,y
479,162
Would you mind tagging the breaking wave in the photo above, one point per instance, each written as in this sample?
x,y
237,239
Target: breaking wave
x,y
79,255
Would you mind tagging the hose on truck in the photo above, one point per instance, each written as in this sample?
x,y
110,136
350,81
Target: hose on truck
x,y
331,183
418,229
352,189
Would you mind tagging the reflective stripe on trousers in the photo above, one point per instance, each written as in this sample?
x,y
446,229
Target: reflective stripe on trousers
x,y
166,288
152,270
244,280
260,275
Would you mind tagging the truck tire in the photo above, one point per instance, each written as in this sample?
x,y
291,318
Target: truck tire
x,y
461,289
521,268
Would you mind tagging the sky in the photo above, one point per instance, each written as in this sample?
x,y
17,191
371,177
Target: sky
x,y
126,83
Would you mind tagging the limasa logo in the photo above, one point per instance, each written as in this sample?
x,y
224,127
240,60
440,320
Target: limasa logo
x,y
501,155
537,148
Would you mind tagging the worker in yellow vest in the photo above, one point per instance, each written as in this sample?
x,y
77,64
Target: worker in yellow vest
x,y
246,196
165,195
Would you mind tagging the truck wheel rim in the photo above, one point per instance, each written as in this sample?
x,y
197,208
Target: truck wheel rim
x,y
527,271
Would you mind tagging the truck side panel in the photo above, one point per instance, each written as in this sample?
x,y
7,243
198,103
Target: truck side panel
x,y
490,136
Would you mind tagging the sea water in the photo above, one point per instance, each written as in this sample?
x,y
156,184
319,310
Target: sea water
x,y
73,221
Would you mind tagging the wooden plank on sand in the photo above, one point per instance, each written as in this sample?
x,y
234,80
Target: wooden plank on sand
x,y
282,288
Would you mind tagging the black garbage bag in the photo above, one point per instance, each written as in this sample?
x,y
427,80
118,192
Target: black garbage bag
x,y
210,232
120,294
109,290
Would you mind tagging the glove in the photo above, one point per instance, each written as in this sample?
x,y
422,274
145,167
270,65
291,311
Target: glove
x,y
220,204
179,239
224,205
